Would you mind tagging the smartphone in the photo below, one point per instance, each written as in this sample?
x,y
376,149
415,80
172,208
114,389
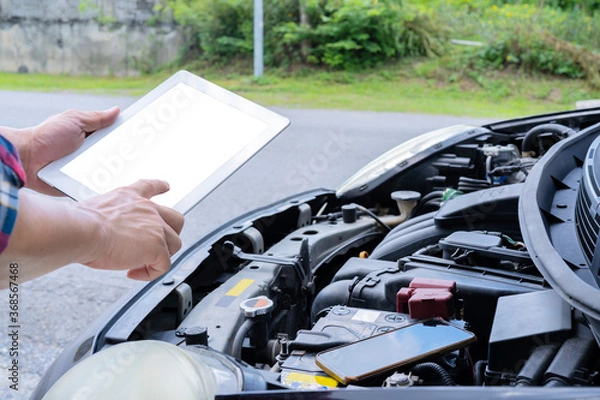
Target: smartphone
x,y
391,350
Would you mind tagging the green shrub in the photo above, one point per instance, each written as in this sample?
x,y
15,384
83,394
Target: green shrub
x,y
587,6
535,36
350,34
420,36
345,34
537,50
223,29
491,20
558,37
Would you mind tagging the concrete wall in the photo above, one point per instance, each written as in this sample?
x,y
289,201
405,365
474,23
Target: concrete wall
x,y
95,37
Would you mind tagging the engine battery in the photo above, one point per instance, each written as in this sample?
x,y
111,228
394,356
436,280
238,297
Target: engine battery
x,y
340,326
307,380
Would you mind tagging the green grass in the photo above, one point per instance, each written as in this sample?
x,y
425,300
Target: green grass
x,y
464,82
417,87
80,84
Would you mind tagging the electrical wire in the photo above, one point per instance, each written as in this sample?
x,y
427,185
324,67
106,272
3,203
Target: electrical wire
x,y
371,214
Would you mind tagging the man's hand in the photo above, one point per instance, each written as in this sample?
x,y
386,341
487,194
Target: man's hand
x,y
135,233
119,230
56,137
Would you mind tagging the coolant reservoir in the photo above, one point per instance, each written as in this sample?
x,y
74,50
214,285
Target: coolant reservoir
x,y
148,370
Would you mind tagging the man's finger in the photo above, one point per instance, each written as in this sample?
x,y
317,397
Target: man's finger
x,y
139,274
173,218
173,240
150,272
149,188
94,120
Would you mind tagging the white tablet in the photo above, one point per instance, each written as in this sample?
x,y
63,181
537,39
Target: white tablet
x,y
187,131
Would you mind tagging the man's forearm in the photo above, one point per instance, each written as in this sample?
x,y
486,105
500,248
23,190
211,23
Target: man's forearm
x,y
47,235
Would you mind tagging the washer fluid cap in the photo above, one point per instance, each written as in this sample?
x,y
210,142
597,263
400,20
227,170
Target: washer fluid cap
x,y
405,195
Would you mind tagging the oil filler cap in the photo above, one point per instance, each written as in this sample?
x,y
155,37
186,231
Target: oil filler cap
x,y
256,306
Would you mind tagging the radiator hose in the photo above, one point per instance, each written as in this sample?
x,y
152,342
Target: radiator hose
x,y
532,142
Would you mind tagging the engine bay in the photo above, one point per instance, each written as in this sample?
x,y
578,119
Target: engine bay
x,y
435,241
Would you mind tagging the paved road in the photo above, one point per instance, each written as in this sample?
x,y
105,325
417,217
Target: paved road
x,y
320,149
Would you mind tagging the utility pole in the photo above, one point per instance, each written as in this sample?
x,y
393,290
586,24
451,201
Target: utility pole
x,y
305,44
258,38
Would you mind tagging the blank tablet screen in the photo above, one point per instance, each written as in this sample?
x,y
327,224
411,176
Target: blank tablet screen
x,y
182,137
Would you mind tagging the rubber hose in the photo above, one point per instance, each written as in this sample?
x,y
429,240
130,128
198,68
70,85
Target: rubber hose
x,y
533,370
432,195
480,372
555,383
430,368
238,341
574,353
558,130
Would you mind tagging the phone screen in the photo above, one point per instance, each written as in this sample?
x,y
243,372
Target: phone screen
x,y
393,349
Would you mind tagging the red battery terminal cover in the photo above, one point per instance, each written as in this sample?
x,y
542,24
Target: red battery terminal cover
x,y
427,298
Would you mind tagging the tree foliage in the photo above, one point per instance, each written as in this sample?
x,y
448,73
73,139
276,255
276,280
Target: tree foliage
x,y
338,33
558,37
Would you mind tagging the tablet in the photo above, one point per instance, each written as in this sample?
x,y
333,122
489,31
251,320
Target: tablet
x,y
187,131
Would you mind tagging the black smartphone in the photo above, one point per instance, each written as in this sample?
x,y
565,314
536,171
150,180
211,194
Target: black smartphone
x,y
391,350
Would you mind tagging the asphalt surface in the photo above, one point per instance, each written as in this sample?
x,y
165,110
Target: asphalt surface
x,y
320,149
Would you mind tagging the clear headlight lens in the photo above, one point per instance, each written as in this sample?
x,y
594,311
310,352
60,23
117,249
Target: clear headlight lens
x,y
148,370
397,155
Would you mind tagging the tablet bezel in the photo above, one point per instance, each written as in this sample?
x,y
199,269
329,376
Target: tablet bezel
x,y
52,174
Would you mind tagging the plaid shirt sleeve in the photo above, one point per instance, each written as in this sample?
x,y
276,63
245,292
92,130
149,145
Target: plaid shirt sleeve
x,y
12,177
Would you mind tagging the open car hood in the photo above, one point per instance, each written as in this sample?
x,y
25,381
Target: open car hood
x,y
487,230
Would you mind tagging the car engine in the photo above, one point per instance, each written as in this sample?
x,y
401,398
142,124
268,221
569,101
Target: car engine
x,y
433,235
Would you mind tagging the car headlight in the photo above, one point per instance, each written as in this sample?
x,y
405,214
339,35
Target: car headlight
x,y
149,370
398,155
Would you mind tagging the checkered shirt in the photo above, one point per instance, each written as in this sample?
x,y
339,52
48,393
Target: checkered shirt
x,y
12,177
